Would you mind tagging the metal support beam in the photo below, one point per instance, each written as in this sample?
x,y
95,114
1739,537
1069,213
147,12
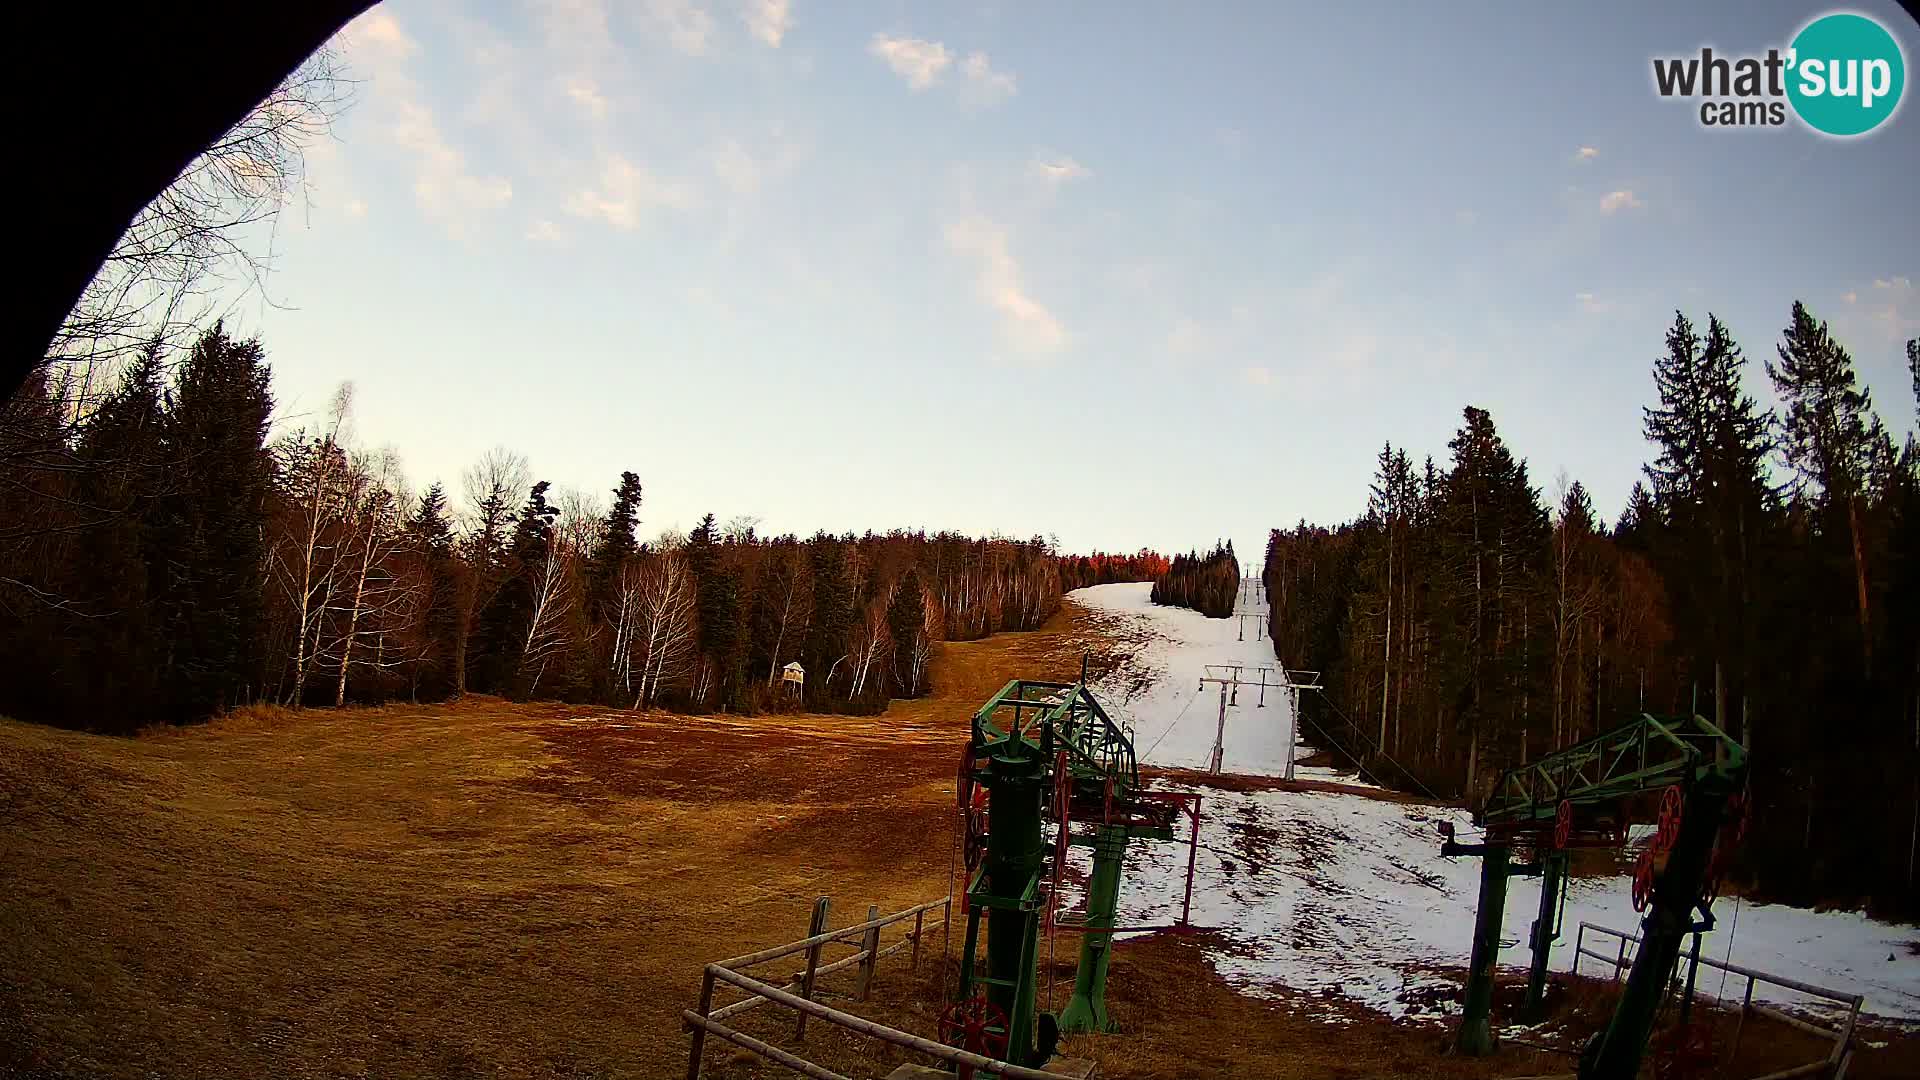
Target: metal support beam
x,y
1087,1011
1475,1037
1553,869
1615,1053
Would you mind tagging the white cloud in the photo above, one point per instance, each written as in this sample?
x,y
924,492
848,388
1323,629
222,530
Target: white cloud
x,y
769,20
985,86
355,208
1894,284
1025,321
917,61
735,167
1586,153
627,192
1850,297
687,24
1258,375
585,94
1619,200
544,231
1055,170
442,184
1889,311
379,37
1592,304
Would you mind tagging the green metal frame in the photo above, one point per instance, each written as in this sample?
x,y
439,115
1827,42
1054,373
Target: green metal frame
x,y
1643,754
1016,738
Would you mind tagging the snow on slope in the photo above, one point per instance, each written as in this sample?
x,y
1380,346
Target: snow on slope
x,y
1158,692
1321,891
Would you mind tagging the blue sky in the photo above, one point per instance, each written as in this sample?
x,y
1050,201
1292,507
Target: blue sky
x,y
1125,273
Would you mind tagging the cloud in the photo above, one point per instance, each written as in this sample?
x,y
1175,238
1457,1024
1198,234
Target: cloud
x,y
1257,375
585,94
1850,297
1592,304
917,61
546,232
1889,311
1024,321
986,86
378,36
769,20
355,208
1898,284
627,193
1585,153
735,167
444,187
1619,200
1054,170
442,184
687,24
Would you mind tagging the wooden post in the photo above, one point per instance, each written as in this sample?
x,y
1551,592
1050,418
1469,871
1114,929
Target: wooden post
x,y
700,1033
815,928
870,944
914,963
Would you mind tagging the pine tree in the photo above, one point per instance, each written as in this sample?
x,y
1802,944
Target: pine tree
x,y
1830,439
502,625
121,486
617,544
907,624
208,597
432,533
718,601
830,624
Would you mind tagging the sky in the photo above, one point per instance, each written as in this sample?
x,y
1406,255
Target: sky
x,y
1125,274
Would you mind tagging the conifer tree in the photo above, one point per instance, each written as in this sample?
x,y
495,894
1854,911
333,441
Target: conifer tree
x,y
502,629
1830,436
907,625
433,536
208,598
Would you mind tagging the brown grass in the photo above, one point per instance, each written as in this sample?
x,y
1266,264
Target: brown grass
x,y
489,889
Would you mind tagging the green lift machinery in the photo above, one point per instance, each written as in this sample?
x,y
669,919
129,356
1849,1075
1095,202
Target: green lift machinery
x,y
1039,753
1582,797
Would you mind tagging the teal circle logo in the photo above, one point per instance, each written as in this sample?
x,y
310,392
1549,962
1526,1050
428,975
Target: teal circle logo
x,y
1845,74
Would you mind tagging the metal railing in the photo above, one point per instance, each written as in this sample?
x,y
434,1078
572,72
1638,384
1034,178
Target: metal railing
x,y
1840,1033
705,1019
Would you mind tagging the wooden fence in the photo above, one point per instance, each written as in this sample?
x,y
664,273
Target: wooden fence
x,y
798,992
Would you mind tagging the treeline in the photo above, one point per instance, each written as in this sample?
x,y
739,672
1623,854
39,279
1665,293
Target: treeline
x,y
1099,568
162,560
1765,575
1209,584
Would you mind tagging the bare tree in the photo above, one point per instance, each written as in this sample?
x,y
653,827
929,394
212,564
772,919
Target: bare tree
x,y
668,628
553,596
301,562
210,230
871,641
376,535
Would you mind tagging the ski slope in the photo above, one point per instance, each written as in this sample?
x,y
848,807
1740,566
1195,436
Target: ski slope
x,y
1157,690
1346,896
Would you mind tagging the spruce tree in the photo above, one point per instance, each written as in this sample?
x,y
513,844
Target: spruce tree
x,y
432,532
503,624
1829,440
907,624
208,587
830,624
617,544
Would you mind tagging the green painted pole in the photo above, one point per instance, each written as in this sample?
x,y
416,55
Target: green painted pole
x,y
1553,868
1087,1011
1615,1054
1014,847
1475,1037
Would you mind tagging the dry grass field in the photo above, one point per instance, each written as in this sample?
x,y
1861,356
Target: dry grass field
x,y
487,889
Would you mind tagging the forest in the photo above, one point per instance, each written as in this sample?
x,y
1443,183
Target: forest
x,y
1764,574
1209,584
167,557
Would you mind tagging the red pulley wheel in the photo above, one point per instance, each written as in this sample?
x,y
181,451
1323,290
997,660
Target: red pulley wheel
x,y
975,1025
1672,805
1643,881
